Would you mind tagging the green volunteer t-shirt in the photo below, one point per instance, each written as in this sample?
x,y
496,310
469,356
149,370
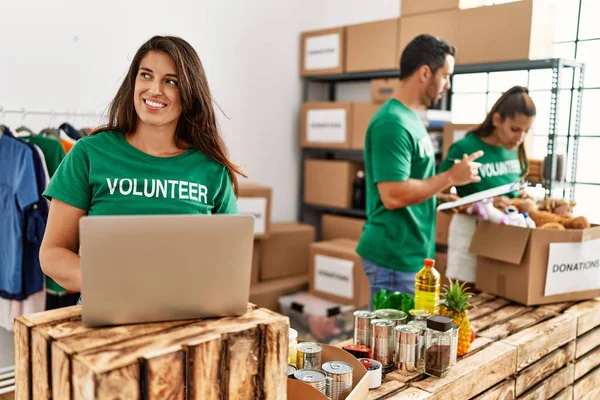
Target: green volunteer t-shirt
x,y
397,148
104,175
499,165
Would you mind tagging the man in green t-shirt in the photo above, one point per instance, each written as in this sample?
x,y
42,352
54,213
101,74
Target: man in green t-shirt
x,y
401,184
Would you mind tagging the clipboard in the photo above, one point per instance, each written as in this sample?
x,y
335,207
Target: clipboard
x,y
483,195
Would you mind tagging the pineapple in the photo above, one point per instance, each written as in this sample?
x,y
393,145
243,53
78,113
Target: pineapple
x,y
454,305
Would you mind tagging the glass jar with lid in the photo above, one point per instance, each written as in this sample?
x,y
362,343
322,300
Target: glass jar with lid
x,y
438,346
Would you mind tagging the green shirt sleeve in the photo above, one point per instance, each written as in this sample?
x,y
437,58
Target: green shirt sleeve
x,y
455,152
70,182
392,148
225,201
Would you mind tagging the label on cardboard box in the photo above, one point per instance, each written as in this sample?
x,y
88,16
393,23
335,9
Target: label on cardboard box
x,y
334,275
573,267
322,52
328,126
257,207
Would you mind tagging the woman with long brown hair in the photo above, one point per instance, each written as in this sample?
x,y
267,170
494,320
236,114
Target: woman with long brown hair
x,y
160,153
501,137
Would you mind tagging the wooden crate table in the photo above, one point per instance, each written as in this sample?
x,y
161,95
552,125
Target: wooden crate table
x,y
543,352
57,357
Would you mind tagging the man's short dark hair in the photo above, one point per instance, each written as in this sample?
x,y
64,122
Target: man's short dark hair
x,y
424,50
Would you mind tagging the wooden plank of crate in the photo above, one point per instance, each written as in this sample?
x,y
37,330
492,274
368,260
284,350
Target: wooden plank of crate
x,y
22,340
566,394
552,385
481,298
386,389
500,316
203,369
478,344
543,368
587,363
501,331
410,393
502,391
404,377
593,394
558,308
240,356
588,315
473,375
487,308
534,343
274,367
165,374
587,342
70,338
588,384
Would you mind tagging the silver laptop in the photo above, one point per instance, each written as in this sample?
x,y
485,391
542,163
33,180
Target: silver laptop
x,y
169,267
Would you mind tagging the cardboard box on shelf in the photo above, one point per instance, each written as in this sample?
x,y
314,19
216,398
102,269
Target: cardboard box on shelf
x,y
340,227
298,390
383,89
336,273
329,182
443,24
322,52
285,252
521,30
362,113
441,262
254,199
336,124
537,266
326,124
454,133
412,7
372,46
267,294
255,274
442,227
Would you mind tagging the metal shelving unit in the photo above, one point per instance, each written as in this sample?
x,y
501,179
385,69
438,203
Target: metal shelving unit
x,y
311,213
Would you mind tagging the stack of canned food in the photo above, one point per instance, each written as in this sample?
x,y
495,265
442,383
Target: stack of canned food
x,y
332,378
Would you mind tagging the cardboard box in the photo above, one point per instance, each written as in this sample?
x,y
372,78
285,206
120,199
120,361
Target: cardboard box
x,y
441,262
383,89
340,227
255,274
267,294
326,124
522,30
336,124
442,24
518,263
412,7
362,113
442,227
322,52
329,183
298,390
372,46
336,273
285,252
254,199
454,133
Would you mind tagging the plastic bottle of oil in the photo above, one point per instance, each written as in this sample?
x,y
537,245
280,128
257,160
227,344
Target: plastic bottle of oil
x,y
427,288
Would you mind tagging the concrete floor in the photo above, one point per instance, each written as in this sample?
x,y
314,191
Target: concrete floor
x,y
7,354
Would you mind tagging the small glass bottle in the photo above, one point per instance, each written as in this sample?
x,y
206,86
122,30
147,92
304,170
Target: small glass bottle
x,y
438,346
292,346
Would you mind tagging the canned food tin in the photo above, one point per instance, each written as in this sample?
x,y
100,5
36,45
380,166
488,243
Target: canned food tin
x,y
383,341
407,348
291,371
309,355
399,317
358,351
339,379
362,327
312,377
375,372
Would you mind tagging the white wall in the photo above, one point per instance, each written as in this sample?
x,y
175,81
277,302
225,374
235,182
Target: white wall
x,y
73,54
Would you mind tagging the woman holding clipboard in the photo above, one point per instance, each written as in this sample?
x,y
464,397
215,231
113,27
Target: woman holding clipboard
x,y
501,137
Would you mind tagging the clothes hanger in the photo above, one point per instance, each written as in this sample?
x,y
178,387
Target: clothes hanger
x,y
3,111
25,131
50,131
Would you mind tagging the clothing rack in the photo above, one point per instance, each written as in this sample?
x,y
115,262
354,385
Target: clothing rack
x,y
50,112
